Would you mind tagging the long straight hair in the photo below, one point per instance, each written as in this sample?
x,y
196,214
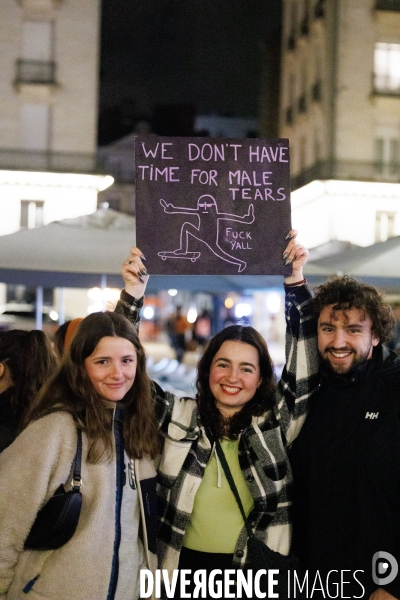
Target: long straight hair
x,y
261,401
71,389
31,361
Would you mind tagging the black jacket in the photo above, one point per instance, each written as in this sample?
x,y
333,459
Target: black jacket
x,y
346,468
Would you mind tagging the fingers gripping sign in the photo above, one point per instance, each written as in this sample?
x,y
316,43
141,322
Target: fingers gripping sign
x,y
134,273
295,254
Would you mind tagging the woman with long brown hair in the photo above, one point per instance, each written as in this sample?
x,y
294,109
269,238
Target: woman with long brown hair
x,y
26,362
101,388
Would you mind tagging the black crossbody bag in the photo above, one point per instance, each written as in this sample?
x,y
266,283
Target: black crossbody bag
x,y
260,556
56,522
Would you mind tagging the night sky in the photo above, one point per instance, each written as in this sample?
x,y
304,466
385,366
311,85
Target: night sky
x,y
204,53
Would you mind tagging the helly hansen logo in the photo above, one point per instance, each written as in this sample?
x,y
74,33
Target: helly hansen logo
x,y
371,415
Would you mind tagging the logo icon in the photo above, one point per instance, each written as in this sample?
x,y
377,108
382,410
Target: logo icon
x,y
384,568
371,415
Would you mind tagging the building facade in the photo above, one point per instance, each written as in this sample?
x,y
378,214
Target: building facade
x,y
49,53
340,108
49,64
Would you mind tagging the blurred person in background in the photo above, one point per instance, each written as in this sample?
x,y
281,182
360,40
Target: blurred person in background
x,y
394,343
64,335
202,328
26,362
177,326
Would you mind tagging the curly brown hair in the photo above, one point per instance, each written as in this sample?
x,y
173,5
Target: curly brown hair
x,y
261,401
346,293
70,389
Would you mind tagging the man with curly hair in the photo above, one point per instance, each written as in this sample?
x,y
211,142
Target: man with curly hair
x,y
346,460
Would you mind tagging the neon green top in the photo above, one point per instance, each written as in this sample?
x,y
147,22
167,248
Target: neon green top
x,y
215,522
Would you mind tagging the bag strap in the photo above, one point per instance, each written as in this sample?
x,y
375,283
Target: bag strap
x,y
230,479
76,482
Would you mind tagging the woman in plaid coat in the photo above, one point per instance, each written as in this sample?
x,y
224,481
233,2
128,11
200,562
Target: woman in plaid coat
x,y
200,525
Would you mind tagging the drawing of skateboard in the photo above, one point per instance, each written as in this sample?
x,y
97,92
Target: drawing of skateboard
x,y
193,256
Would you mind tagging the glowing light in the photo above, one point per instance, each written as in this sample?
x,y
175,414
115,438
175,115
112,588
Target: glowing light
x,y
172,292
229,303
107,294
321,188
273,301
53,315
105,183
111,294
59,180
148,312
192,315
95,293
96,307
242,310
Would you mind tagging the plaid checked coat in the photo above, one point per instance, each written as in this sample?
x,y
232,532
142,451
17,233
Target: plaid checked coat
x,y
262,447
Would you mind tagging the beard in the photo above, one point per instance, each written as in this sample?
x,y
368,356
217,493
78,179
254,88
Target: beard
x,y
343,369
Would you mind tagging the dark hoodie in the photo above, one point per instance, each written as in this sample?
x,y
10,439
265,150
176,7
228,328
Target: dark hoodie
x,y
346,469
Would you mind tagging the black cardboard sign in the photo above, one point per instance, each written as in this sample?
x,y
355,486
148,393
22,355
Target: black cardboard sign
x,y
212,206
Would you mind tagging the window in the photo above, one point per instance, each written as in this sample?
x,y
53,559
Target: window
x,y
291,42
31,213
387,156
302,105
394,165
317,148
316,89
319,10
37,40
35,125
289,113
387,68
384,225
36,64
303,152
304,29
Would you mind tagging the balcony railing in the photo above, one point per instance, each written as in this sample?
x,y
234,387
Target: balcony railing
x,y
386,85
59,162
348,170
36,72
393,5
40,5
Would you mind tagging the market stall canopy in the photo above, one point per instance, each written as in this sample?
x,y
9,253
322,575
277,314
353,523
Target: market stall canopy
x,y
83,251
71,253
378,264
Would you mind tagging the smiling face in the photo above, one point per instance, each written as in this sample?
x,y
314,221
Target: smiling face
x,y
234,376
112,367
345,338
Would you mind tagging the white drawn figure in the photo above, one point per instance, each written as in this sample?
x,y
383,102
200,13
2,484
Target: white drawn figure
x,y
206,231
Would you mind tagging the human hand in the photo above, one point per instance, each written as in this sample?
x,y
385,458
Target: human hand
x,y
165,205
251,212
381,594
296,255
134,273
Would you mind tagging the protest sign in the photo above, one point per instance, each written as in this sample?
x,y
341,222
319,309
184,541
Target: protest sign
x,y
212,206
